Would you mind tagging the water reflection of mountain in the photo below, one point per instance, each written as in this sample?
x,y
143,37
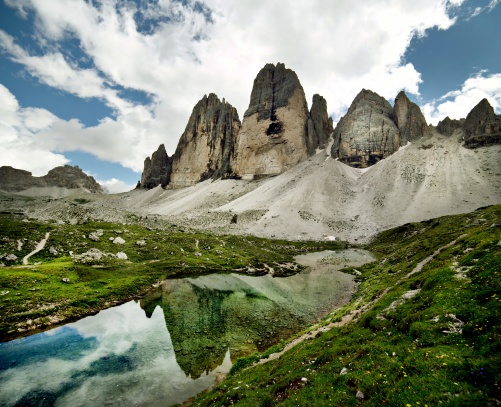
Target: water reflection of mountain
x,y
204,323
208,315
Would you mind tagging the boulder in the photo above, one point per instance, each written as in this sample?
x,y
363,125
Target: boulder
x,y
92,256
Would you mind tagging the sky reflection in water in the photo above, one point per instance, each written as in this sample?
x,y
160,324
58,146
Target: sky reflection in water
x,y
126,355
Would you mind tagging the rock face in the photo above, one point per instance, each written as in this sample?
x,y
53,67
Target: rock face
x,y
482,126
156,170
277,131
206,147
373,130
66,176
322,123
447,126
367,133
409,119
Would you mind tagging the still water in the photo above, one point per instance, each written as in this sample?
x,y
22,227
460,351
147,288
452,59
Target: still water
x,y
174,342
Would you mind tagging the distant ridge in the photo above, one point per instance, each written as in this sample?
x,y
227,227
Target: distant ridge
x,y
67,176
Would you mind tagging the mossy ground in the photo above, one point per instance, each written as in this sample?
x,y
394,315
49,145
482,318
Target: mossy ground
x,y
34,297
432,338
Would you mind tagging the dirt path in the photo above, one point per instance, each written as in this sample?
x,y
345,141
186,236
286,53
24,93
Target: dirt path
x,y
423,263
39,247
354,313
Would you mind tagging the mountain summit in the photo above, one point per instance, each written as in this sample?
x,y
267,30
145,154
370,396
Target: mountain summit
x,y
278,132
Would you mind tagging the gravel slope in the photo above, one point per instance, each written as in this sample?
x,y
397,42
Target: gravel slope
x,y
320,198
323,198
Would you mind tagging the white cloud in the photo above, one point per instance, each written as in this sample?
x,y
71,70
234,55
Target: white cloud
x,y
115,186
17,128
336,48
34,139
458,103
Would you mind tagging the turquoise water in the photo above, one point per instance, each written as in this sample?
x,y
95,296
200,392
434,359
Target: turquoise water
x,y
168,346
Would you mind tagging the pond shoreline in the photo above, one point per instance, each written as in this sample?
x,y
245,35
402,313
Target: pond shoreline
x,y
28,327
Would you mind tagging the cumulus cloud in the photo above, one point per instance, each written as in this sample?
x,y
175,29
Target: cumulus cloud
x,y
115,186
18,128
458,103
35,140
178,51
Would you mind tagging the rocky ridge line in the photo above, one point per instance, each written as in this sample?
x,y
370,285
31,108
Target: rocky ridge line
x,y
67,176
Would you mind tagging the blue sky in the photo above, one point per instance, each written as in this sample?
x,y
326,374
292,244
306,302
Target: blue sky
x,y
102,83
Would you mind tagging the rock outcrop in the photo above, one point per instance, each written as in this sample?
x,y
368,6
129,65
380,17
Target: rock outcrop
x,y
322,123
373,130
447,126
277,131
482,126
206,147
367,133
409,119
157,170
67,176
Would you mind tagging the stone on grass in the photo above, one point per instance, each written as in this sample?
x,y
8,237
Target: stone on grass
x,y
343,371
94,236
65,280
360,396
118,240
121,256
140,243
11,257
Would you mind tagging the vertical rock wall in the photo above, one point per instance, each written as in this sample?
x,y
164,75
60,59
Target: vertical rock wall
x,y
482,126
409,119
275,133
206,147
156,170
367,133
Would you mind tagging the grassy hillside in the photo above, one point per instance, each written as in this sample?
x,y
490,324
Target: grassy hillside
x,y
420,336
34,296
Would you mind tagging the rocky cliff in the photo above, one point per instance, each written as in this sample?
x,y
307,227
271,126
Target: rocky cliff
x,y
67,176
482,126
322,123
277,131
367,133
157,170
206,147
447,126
372,130
409,119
